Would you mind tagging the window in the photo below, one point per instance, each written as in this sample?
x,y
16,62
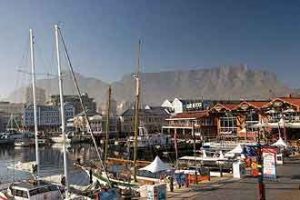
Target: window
x,y
33,192
19,193
53,188
252,117
228,124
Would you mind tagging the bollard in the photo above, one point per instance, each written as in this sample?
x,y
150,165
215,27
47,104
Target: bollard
x,y
171,184
221,170
187,180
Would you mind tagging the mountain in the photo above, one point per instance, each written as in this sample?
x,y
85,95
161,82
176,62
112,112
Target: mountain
x,y
233,82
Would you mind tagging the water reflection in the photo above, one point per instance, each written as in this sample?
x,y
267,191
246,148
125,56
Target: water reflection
x,y
51,161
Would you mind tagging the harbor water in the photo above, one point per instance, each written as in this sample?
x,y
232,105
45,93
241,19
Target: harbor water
x,y
51,162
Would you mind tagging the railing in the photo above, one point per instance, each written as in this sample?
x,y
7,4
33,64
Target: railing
x,y
228,130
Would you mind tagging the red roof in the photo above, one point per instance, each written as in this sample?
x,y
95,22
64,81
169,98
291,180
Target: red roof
x,y
289,100
255,104
230,106
194,114
293,101
225,106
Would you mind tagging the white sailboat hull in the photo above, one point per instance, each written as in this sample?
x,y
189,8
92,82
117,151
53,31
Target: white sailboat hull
x,y
60,139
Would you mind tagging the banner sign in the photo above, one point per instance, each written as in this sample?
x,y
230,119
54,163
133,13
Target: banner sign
x,y
157,192
269,163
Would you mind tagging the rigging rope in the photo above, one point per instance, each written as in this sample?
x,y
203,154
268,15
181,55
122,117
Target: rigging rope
x,y
99,153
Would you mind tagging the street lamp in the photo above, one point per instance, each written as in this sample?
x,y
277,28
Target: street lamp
x,y
261,185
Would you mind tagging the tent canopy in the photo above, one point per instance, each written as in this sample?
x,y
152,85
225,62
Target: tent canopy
x,y
156,166
237,150
280,143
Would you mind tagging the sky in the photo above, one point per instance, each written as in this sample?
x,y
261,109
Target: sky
x,y
102,36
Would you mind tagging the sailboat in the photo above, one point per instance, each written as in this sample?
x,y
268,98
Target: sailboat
x,y
103,177
107,182
33,189
128,184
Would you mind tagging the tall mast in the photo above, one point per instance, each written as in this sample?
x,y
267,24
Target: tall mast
x,y
107,124
62,111
137,109
37,157
98,150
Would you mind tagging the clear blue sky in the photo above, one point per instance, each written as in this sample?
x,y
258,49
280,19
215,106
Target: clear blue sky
x,y
102,35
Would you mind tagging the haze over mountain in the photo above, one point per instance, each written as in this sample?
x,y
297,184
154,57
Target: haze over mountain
x,y
214,83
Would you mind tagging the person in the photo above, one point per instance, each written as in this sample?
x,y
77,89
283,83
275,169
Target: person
x,y
171,184
63,181
91,176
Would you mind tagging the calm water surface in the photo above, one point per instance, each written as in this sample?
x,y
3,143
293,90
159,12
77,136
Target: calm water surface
x,y
51,161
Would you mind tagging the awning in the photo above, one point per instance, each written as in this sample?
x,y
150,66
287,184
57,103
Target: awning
x,y
156,166
237,150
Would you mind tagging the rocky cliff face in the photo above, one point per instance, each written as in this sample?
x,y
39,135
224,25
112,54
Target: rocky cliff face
x,y
213,83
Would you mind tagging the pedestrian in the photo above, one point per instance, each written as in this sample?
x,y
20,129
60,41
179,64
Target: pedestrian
x,y
91,176
171,184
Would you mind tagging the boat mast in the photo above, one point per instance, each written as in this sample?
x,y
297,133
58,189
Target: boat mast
x,y
137,109
62,111
107,124
37,157
99,151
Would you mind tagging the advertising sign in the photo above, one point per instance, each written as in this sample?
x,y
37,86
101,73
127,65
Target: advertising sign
x,y
269,163
157,192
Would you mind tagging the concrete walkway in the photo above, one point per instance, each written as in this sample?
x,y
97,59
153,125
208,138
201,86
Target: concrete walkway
x,y
286,187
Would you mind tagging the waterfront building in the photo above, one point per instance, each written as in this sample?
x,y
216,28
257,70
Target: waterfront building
x,y
97,122
152,118
283,117
48,116
88,102
262,118
186,125
186,105
237,120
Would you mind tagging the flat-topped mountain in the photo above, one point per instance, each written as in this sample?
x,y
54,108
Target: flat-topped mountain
x,y
212,83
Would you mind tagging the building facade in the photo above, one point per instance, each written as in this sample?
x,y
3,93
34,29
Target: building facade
x,y
152,118
188,105
88,102
98,124
187,125
48,116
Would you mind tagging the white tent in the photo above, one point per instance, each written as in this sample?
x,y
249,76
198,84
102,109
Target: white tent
x,y
156,166
280,143
237,150
221,156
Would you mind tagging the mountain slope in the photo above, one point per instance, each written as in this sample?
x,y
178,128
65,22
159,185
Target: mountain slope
x,y
213,83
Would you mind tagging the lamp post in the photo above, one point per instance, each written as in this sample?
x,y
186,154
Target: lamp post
x,y
194,138
261,185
